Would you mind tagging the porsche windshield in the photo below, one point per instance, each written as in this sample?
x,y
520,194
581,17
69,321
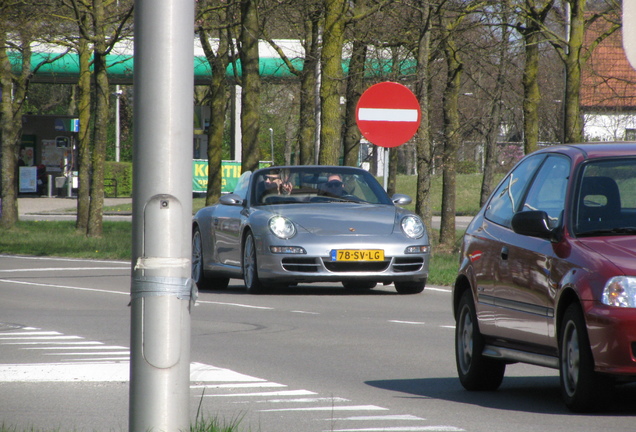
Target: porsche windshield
x,y
293,185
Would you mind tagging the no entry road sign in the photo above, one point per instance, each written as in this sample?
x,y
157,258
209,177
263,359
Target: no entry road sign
x,y
388,114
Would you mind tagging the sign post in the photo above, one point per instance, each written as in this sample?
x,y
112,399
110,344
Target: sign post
x,y
161,288
388,115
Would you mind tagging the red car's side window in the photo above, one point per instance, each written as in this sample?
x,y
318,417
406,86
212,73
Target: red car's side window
x,y
506,199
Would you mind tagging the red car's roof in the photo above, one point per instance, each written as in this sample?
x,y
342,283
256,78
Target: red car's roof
x,y
595,150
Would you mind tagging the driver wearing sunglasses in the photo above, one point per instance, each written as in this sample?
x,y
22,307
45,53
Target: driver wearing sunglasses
x,y
334,185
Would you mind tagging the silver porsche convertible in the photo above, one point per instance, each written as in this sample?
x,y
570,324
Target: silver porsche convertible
x,y
297,224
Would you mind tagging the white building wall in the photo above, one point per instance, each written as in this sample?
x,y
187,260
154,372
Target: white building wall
x,y
608,127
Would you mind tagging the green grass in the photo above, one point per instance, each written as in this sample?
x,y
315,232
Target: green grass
x,y
63,240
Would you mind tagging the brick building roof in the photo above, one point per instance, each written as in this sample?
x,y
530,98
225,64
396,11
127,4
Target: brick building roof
x,y
608,79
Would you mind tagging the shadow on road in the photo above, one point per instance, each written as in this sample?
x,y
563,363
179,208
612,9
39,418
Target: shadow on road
x,y
533,394
308,290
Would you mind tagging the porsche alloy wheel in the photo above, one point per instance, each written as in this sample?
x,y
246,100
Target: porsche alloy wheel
x,y
250,266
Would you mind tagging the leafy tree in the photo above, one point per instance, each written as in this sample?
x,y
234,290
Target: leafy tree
x,y
214,19
449,21
423,137
21,22
338,13
534,14
251,83
574,55
305,20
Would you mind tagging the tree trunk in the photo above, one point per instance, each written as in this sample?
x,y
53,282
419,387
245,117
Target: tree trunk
x,y
531,91
84,147
355,88
308,81
218,101
422,139
573,122
332,77
102,93
9,156
494,123
251,81
452,138
14,90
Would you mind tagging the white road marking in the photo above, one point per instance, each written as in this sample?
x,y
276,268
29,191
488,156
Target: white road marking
x,y
102,359
303,400
53,343
73,347
18,282
60,269
403,429
236,385
235,304
204,372
407,322
386,417
439,289
274,393
331,408
31,333
118,353
35,258
61,337
105,372
65,372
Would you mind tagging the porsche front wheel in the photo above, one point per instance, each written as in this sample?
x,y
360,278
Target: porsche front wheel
x,y
250,266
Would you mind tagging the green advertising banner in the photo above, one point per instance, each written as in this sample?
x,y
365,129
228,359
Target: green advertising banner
x,y
231,171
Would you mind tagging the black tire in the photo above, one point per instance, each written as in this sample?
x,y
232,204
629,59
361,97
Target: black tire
x,y
198,274
476,372
250,266
410,287
582,388
359,285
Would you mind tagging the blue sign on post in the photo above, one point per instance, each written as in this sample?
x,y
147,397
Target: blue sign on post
x,y
67,125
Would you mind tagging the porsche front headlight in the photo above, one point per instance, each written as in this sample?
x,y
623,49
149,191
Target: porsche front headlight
x,y
620,291
282,227
412,226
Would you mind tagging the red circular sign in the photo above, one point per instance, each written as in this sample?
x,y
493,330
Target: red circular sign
x,y
388,114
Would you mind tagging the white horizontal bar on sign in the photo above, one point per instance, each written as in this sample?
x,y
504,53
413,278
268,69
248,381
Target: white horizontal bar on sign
x,y
388,114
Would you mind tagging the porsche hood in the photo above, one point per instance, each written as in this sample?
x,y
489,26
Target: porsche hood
x,y
343,218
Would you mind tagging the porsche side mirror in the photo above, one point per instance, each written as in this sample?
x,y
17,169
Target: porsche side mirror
x,y
231,199
401,199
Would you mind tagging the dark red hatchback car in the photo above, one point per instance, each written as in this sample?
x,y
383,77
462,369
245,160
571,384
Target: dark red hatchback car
x,y
548,274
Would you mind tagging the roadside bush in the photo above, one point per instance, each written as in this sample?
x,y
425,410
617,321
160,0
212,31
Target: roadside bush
x,y
118,179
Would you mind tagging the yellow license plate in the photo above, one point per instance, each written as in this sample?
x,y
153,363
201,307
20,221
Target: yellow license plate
x,y
357,255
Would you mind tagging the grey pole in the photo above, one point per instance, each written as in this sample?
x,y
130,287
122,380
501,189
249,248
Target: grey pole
x,y
271,143
161,288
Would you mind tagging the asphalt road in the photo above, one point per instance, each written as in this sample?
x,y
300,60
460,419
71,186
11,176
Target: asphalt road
x,y
315,358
